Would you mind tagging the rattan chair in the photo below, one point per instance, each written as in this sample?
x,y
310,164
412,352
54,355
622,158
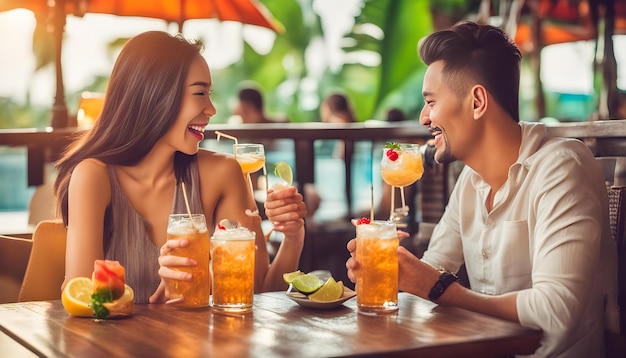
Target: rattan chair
x,y
45,271
616,344
617,215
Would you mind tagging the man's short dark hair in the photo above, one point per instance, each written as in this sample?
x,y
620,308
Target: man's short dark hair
x,y
477,54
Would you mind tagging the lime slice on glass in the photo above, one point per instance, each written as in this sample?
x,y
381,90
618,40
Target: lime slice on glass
x,y
290,276
307,283
283,171
330,291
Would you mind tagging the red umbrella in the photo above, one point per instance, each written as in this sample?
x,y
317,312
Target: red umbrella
x,y
565,21
244,11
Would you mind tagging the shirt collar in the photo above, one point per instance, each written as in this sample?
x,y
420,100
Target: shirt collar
x,y
533,137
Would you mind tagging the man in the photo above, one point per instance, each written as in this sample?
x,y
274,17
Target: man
x,y
250,106
528,215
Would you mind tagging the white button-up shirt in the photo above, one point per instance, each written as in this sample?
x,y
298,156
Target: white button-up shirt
x,y
547,237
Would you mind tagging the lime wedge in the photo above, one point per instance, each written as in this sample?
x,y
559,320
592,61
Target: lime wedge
x,y
289,276
307,283
283,171
330,291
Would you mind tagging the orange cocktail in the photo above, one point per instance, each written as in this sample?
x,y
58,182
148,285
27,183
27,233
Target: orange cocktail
x,y
402,165
232,270
195,292
251,157
377,275
404,168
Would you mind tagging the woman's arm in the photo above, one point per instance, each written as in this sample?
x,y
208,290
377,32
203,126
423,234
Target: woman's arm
x,y
89,194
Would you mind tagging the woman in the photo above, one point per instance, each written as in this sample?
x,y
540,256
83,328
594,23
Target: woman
x,y
118,184
336,109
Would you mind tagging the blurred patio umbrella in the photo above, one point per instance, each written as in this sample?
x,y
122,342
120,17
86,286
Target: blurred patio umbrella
x,y
51,14
560,21
564,21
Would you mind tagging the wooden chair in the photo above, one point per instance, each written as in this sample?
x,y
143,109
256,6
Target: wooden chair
x,y
45,271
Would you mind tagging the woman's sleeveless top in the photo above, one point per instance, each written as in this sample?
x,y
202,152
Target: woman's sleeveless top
x,y
126,236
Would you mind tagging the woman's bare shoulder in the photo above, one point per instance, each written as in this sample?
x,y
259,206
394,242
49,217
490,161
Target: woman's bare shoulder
x,y
91,169
217,162
91,165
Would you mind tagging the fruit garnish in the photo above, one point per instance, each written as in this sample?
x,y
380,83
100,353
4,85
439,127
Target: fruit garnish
x,y
361,221
393,145
76,297
108,285
123,306
330,291
108,276
283,171
225,224
392,155
307,283
290,276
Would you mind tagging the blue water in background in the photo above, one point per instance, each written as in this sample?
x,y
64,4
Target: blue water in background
x,y
329,173
14,190
15,194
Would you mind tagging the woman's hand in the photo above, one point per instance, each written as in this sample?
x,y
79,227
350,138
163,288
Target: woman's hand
x,y
286,210
166,260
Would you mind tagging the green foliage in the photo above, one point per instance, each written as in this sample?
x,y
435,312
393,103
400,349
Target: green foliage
x,y
403,23
14,115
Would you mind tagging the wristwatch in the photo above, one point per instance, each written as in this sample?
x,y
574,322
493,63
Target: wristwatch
x,y
444,281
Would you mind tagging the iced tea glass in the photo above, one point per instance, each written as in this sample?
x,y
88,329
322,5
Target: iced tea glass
x,y
197,291
377,276
232,270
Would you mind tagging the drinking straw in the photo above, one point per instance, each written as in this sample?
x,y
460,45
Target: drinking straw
x,y
220,134
372,182
182,184
372,203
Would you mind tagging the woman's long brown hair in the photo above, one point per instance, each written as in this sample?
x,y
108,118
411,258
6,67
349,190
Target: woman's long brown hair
x,y
142,101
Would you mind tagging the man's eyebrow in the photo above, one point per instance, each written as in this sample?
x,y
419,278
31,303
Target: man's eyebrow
x,y
426,94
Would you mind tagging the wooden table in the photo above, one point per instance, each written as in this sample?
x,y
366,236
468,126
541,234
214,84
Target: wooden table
x,y
277,327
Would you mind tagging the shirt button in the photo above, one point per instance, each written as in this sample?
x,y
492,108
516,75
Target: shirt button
x,y
484,253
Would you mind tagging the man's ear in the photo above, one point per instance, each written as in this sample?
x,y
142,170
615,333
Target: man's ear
x,y
480,101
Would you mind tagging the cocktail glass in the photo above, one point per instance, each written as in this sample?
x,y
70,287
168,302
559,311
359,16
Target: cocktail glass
x,y
401,166
251,158
377,275
195,292
232,270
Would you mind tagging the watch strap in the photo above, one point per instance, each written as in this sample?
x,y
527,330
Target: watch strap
x,y
443,282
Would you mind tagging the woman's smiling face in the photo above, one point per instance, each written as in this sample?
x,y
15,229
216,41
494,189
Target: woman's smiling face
x,y
196,109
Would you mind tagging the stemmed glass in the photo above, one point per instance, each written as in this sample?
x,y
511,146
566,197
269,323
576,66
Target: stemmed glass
x,y
251,158
400,166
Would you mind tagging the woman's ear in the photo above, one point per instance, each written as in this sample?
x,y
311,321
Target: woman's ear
x,y
480,99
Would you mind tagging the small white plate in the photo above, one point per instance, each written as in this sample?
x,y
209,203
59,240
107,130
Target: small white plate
x,y
303,301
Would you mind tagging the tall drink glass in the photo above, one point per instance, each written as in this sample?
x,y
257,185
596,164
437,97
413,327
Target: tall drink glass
x,y
377,276
195,292
232,270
